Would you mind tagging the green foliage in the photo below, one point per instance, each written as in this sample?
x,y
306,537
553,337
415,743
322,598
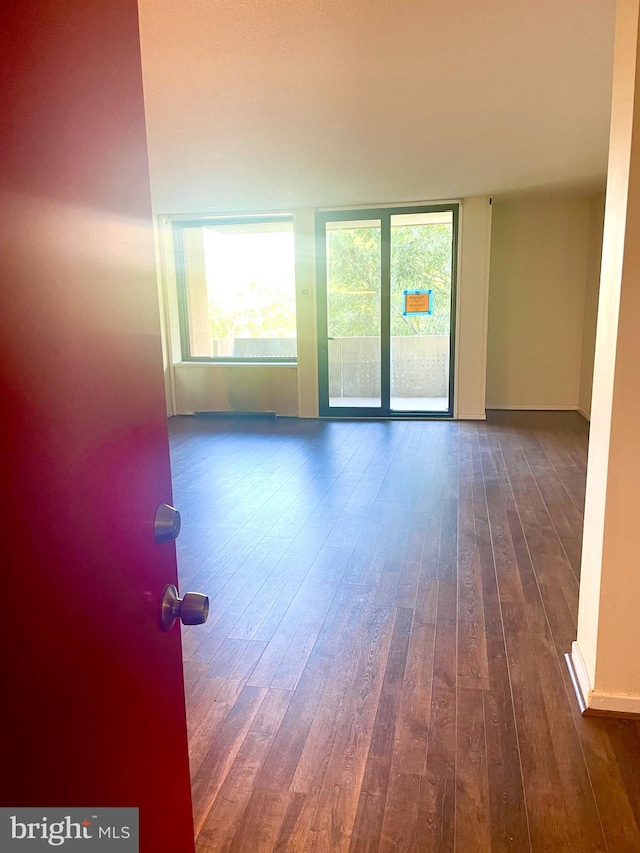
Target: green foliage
x,y
420,260
353,274
258,311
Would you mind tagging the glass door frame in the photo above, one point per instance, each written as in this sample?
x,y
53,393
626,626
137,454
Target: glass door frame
x,y
383,215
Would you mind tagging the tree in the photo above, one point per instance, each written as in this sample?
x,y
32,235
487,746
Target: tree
x,y
421,259
353,279
258,311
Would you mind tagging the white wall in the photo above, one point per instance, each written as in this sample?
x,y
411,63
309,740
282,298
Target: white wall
x,y
539,253
239,387
607,652
594,259
473,301
305,243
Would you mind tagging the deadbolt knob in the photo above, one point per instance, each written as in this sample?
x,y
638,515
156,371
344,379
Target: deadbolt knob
x,y
166,525
191,609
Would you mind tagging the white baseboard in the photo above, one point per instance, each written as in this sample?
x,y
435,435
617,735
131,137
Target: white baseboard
x,y
472,416
598,701
584,414
528,408
614,703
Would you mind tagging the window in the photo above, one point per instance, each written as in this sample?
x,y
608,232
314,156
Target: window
x,y
236,287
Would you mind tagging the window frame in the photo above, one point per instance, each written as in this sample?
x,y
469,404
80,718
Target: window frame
x,y
178,228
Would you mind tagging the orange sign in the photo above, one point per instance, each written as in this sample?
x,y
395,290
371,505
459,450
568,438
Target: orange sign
x,y
417,302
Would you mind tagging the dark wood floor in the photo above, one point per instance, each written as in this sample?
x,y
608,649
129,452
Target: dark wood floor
x,y
383,667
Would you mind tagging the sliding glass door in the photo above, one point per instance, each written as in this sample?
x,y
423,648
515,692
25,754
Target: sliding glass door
x,y
353,314
386,309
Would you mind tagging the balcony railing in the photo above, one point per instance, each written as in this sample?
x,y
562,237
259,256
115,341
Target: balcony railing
x,y
419,366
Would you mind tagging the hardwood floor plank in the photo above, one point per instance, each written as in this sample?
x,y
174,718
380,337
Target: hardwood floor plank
x,y
230,603
412,729
268,611
400,814
507,807
363,620
192,672
533,531
326,617
436,810
448,540
228,813
211,719
373,791
295,823
338,796
303,617
548,825
624,736
314,669
222,753
284,758
260,826
472,662
211,680
285,576
407,586
472,822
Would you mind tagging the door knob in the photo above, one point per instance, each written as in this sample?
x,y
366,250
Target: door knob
x,y
191,609
166,525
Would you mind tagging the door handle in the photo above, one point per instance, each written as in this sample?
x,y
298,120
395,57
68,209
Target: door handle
x,y
191,609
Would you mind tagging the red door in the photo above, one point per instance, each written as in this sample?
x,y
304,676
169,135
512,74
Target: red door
x,y
93,698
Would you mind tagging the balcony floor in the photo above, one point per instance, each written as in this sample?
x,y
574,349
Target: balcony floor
x,y
398,404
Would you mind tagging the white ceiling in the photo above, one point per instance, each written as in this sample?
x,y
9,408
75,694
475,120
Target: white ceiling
x,y
279,104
